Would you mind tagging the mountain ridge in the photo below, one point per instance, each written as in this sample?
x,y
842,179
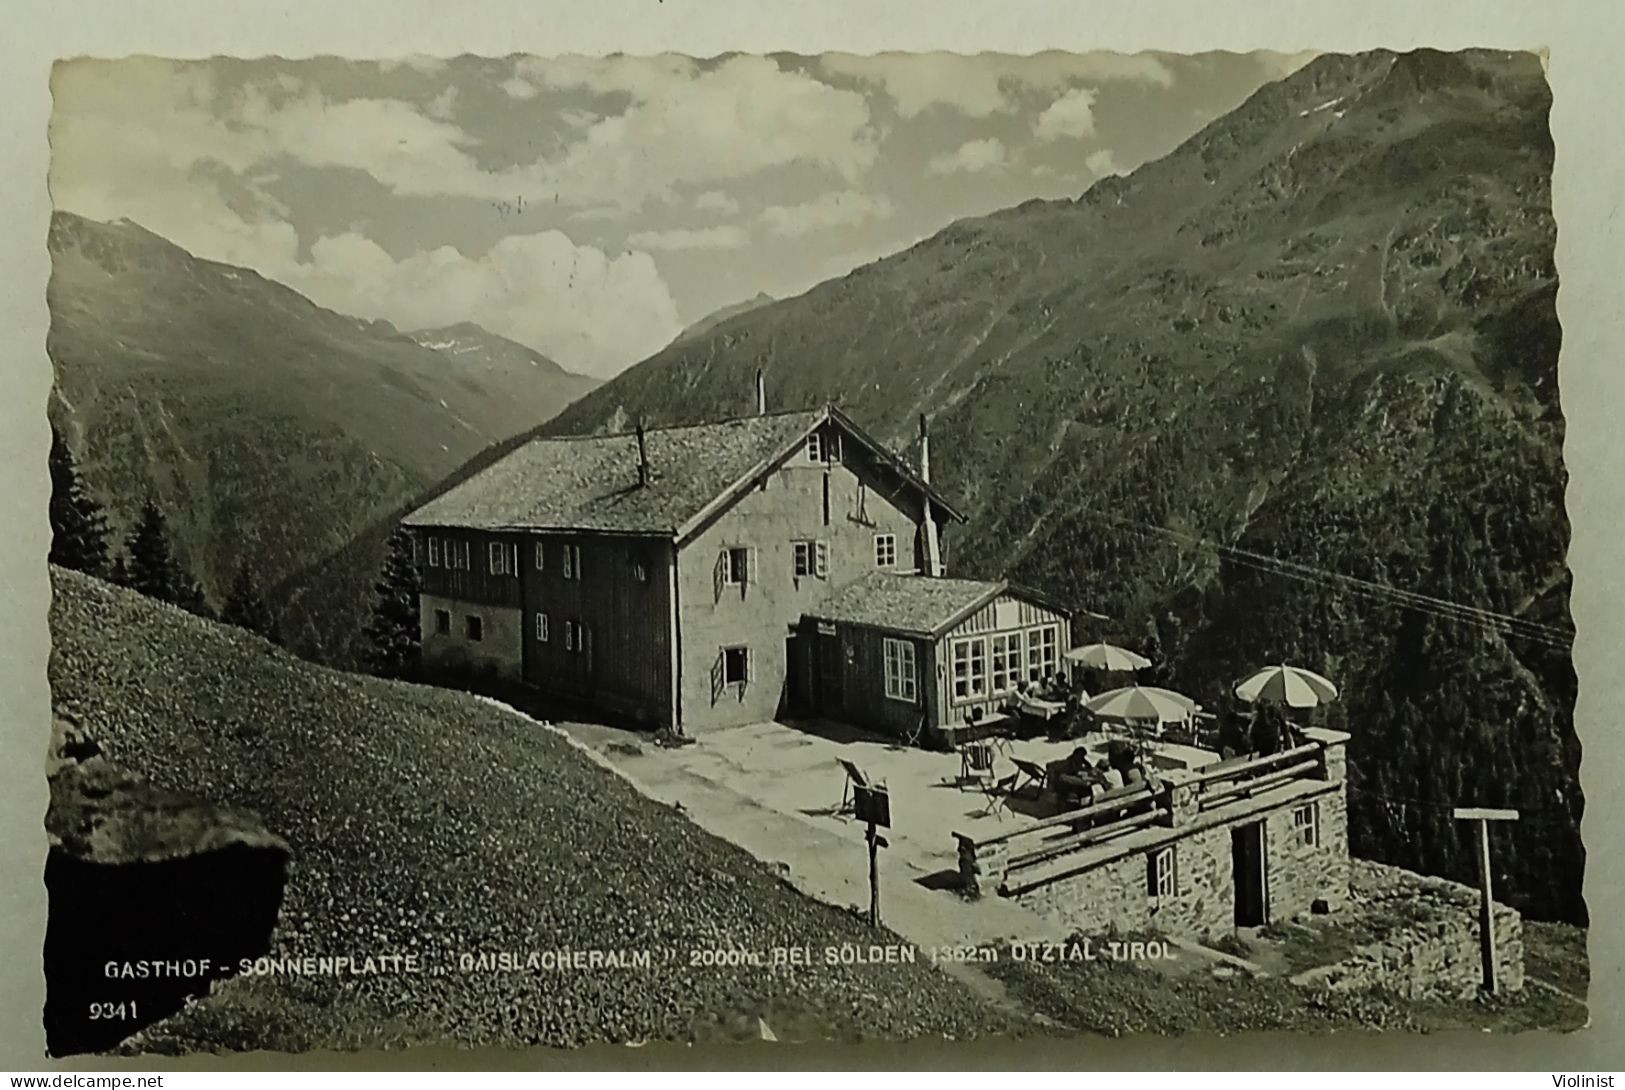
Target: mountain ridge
x,y
269,429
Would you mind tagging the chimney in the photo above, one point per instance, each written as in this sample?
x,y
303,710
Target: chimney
x,y
761,393
928,527
643,458
925,452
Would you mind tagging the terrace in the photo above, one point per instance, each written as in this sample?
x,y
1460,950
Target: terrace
x,y
1188,790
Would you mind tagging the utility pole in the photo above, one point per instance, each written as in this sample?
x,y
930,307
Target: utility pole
x,y
1486,903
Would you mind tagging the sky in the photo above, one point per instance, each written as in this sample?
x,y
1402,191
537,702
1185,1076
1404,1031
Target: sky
x,y
591,208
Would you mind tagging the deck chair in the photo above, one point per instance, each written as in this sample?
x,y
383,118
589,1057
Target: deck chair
x,y
1037,775
975,763
998,794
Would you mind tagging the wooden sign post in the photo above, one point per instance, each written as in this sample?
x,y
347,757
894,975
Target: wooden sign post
x,y
1486,904
873,806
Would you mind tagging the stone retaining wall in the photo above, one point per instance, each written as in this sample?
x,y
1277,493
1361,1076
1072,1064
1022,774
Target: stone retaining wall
x,y
1436,956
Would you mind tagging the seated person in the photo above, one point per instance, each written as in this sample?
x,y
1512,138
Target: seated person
x,y
1110,776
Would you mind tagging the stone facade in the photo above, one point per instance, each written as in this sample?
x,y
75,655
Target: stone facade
x,y
1295,825
498,650
1115,895
1434,949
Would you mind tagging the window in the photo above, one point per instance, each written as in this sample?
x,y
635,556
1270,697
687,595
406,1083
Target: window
x,y
885,550
498,559
1006,655
735,665
900,678
640,572
824,448
458,554
1306,824
572,561
970,669
736,567
575,636
541,556
475,627
812,558
541,628
442,619
1161,873
434,552
1042,656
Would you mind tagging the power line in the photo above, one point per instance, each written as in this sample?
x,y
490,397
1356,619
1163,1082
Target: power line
x,y
1441,608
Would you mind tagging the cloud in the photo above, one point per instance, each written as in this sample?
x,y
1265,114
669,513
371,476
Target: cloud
x,y
972,157
716,201
1103,162
687,238
982,84
518,88
573,303
700,125
444,104
1071,115
140,139
841,209
423,65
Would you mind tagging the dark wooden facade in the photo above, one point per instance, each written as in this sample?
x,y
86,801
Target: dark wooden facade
x,y
582,616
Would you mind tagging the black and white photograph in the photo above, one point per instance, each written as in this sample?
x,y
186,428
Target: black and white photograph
x,y
567,550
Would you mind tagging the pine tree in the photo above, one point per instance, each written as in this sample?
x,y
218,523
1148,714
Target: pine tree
x,y
78,527
392,633
245,609
152,568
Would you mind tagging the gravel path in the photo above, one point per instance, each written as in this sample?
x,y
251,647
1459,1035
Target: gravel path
x,y
426,822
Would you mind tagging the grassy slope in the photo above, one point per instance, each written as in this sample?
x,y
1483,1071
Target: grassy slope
x,y
1323,329
425,820
1117,998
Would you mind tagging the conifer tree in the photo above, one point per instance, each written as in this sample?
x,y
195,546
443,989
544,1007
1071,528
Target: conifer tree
x,y
245,609
151,568
393,639
78,527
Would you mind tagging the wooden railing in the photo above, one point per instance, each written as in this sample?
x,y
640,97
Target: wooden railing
x,y
1177,798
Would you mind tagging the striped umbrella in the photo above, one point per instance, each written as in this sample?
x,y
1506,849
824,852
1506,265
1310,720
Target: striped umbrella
x,y
1107,656
1138,703
1290,685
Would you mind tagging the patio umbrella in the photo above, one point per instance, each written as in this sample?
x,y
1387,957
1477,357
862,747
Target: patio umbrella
x,y
1107,656
1137,703
1290,685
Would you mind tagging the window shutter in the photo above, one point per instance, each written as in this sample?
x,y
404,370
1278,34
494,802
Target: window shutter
x,y
822,568
1151,874
716,677
750,565
719,573
513,554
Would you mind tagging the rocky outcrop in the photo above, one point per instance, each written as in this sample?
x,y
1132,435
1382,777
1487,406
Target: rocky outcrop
x,y
154,895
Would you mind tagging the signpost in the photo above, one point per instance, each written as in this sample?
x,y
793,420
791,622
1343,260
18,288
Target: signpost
x,y
1486,904
873,807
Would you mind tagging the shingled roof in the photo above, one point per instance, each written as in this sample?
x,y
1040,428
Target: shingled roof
x,y
591,482
918,604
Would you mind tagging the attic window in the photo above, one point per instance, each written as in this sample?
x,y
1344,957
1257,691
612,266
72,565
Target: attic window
x,y
824,448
